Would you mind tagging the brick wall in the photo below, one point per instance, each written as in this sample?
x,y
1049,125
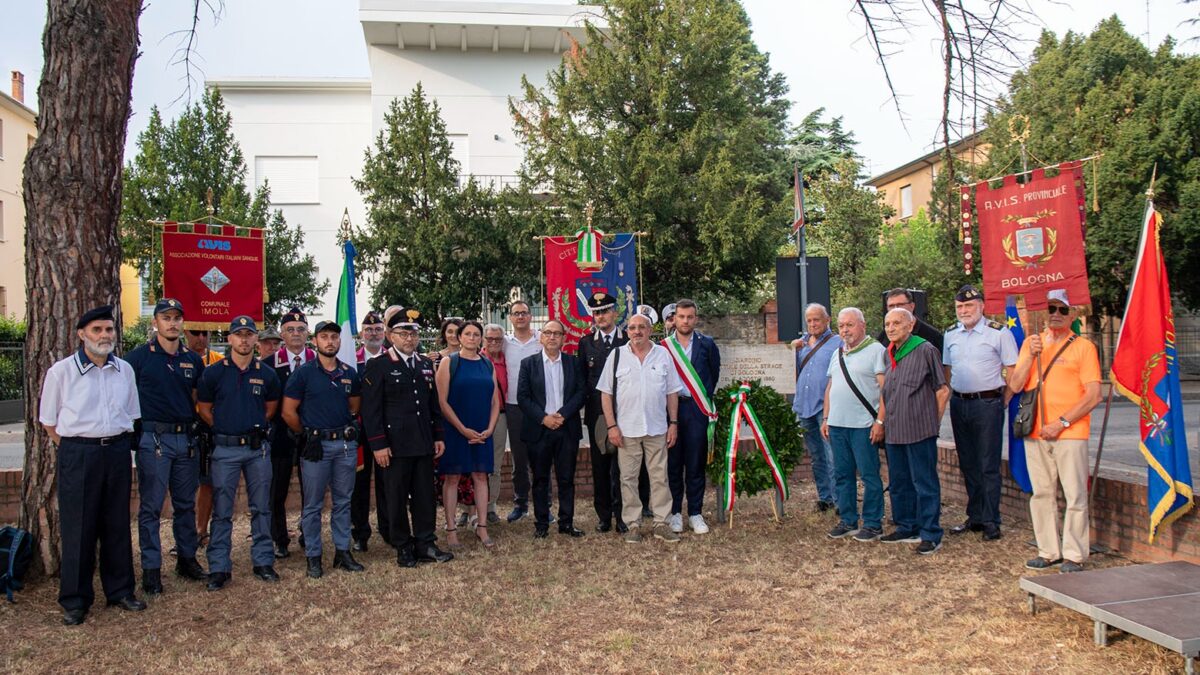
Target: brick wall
x,y
1119,515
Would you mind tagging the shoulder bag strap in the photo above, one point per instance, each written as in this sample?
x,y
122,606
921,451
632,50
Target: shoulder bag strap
x,y
616,362
1056,355
812,353
861,399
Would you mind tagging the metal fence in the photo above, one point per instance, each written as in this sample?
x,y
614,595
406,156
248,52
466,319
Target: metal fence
x,y
12,371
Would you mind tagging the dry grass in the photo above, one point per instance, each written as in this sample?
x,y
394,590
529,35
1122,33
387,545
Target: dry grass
x,y
762,597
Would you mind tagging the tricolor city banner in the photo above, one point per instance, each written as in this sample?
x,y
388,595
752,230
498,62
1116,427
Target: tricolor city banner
x,y
572,277
1031,237
215,272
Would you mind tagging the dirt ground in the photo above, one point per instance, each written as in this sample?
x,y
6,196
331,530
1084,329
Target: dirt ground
x,y
762,597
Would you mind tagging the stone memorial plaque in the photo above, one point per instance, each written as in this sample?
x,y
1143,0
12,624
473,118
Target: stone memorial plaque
x,y
774,364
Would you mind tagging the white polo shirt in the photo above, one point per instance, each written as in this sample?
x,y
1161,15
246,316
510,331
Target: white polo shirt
x,y
80,399
642,389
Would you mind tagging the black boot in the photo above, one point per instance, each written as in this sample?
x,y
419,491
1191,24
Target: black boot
x,y
314,567
405,557
343,560
189,568
152,582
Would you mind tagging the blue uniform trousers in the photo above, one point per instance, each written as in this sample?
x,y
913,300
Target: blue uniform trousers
x,y
915,490
93,506
687,458
229,464
978,436
334,471
164,464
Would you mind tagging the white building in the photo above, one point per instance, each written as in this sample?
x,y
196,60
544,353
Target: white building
x,y
308,137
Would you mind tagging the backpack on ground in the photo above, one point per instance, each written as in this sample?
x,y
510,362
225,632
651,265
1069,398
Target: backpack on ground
x,y
16,552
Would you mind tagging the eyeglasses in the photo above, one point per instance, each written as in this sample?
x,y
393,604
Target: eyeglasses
x,y
551,333
1064,310
296,329
519,314
495,339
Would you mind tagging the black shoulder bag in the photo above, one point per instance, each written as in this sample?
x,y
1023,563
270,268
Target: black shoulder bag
x,y
1027,410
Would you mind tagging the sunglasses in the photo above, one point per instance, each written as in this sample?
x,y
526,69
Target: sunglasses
x,y
1061,310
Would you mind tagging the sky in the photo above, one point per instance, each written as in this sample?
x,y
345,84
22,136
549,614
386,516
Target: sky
x,y
818,45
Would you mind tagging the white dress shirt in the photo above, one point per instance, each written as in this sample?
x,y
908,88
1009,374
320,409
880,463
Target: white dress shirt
x,y
292,356
642,390
554,383
80,399
514,352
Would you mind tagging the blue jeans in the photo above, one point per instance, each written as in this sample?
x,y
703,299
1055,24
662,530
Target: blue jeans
x,y
916,492
158,468
229,463
853,452
822,458
686,459
335,471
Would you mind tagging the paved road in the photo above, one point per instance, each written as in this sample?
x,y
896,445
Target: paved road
x,y
1121,455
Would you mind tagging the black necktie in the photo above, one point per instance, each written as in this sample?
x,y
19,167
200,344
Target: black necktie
x,y
408,361
295,362
607,341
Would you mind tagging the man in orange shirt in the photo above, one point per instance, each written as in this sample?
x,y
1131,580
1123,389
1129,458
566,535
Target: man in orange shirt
x,y
1057,450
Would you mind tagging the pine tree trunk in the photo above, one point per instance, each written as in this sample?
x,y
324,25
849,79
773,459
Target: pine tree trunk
x,y
72,200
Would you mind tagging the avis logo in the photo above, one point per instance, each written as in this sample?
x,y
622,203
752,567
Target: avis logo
x,y
213,245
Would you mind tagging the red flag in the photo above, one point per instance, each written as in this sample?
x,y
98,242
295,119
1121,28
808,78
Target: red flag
x,y
1145,369
798,190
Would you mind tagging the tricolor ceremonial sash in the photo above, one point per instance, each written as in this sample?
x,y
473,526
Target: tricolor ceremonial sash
x,y
691,380
742,410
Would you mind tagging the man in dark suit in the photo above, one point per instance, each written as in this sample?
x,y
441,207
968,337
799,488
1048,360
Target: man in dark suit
x,y
550,394
687,458
403,425
284,453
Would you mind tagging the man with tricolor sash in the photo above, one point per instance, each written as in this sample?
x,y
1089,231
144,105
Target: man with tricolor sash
x,y
698,362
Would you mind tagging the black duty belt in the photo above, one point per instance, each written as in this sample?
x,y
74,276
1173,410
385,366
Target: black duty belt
x,y
166,427
994,393
234,440
107,440
336,434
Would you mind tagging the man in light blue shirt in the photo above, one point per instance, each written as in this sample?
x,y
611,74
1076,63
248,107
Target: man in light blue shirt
x,y
813,353
851,426
976,352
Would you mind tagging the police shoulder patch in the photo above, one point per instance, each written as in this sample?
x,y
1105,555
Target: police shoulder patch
x,y
950,328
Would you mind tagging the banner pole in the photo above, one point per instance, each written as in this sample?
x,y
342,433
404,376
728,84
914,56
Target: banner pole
x,y
1100,447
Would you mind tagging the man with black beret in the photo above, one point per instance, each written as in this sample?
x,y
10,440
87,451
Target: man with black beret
x,y
88,406
403,424
975,354
167,373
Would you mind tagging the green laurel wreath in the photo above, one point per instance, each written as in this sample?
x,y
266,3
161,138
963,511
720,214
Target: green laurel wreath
x,y
773,410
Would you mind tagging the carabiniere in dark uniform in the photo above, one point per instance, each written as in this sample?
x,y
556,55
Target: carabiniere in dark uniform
x,y
167,373
403,424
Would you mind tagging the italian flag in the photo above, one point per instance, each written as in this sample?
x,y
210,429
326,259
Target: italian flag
x,y
346,316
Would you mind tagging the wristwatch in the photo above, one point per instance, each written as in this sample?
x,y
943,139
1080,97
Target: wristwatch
x,y
672,422
1065,423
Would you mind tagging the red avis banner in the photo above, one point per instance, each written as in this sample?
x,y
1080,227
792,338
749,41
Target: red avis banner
x,y
215,273
1031,238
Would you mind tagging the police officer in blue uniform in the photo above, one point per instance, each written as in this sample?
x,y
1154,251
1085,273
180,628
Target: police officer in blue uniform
x,y
320,402
975,354
237,398
284,453
167,373
403,423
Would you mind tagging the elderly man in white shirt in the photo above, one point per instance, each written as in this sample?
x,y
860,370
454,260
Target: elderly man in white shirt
x,y
642,422
88,406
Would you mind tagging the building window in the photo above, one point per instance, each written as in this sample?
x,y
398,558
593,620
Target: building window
x,y
293,180
906,205
3,301
2,237
1,139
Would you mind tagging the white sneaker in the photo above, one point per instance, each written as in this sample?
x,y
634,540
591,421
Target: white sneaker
x,y
675,521
698,524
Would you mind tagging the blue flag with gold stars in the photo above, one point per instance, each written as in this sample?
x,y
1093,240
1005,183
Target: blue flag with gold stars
x,y
1016,444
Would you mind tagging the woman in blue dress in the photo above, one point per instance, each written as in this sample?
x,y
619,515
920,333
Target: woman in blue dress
x,y
470,400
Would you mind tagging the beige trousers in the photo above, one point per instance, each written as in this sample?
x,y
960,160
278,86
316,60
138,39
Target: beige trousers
x,y
629,459
499,443
1051,463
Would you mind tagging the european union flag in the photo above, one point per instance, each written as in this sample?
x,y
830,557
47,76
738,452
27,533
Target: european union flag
x,y
1016,444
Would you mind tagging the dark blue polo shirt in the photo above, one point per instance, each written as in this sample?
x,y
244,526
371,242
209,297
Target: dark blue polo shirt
x,y
324,396
239,397
165,381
